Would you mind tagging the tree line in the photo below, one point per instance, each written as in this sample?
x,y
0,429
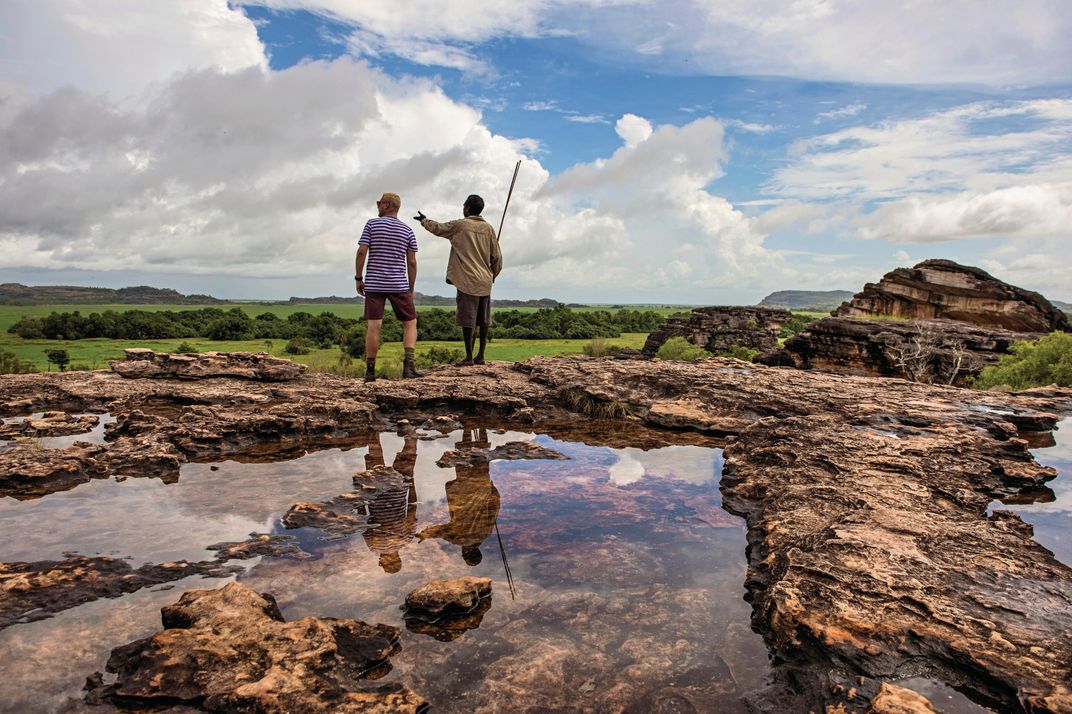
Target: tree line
x,y
324,329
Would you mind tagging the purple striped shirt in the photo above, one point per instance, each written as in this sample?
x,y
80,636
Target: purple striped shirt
x,y
388,240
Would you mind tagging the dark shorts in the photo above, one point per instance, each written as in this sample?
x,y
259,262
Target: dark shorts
x,y
473,310
401,303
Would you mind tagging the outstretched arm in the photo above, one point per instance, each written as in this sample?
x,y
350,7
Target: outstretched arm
x,y
443,230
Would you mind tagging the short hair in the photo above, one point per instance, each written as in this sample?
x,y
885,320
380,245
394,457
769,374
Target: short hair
x,y
475,204
471,555
392,199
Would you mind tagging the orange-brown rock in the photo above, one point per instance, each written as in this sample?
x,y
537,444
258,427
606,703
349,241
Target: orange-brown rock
x,y
141,363
52,423
231,650
871,552
947,290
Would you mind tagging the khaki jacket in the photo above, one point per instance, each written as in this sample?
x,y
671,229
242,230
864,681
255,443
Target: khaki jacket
x,y
475,260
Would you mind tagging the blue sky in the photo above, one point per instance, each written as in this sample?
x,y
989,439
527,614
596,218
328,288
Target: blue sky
x,y
679,152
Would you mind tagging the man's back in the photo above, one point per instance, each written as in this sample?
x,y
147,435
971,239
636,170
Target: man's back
x,y
475,259
389,240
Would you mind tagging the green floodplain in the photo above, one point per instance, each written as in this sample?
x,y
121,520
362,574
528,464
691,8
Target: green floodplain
x,y
95,353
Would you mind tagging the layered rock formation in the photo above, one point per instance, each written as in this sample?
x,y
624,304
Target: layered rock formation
x,y
231,650
720,329
942,352
871,556
942,289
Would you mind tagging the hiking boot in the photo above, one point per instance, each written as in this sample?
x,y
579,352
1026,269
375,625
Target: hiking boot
x,y
467,362
478,360
409,371
370,371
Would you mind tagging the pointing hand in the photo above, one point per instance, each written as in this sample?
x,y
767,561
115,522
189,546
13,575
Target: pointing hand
x,y
419,217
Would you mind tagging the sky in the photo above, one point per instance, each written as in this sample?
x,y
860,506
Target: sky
x,y
678,151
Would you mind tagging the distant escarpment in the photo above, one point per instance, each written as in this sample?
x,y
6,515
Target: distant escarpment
x,y
19,294
721,329
806,300
942,289
937,322
419,299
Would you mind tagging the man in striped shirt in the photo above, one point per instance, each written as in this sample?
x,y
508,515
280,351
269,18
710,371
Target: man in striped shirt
x,y
391,250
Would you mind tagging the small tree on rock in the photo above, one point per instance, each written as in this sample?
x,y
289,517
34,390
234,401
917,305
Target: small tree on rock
x,y
60,358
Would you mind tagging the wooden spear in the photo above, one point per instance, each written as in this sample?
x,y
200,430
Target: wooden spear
x,y
508,195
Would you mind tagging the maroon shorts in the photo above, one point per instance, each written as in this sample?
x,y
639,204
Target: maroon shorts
x,y
401,303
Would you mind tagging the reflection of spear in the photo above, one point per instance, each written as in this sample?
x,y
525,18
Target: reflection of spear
x,y
502,552
508,195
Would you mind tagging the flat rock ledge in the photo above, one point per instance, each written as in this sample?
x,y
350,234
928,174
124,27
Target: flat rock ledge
x,y
230,650
141,363
871,554
447,609
54,423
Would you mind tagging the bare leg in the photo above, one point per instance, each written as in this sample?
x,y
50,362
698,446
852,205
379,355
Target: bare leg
x,y
467,335
483,344
409,334
372,337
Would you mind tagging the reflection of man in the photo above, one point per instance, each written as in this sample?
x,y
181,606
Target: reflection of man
x,y
474,263
394,512
473,501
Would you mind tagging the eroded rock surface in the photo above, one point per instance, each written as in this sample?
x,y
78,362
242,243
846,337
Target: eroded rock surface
x,y
720,329
871,551
939,351
944,289
455,595
230,650
141,363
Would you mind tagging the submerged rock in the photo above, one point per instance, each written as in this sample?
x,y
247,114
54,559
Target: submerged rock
x,y
141,363
231,650
510,451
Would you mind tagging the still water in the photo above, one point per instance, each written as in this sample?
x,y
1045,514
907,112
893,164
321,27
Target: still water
x,y
1051,515
627,573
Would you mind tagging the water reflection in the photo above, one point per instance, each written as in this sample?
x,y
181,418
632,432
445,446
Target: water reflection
x,y
393,512
630,575
1051,512
473,502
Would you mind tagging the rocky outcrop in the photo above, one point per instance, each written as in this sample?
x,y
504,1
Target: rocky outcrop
x,y
231,650
937,351
140,363
720,329
942,289
871,553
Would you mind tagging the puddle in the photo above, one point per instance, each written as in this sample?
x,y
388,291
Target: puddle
x,y
1051,516
93,436
627,574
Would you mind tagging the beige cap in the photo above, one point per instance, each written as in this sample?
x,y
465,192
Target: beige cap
x,y
393,199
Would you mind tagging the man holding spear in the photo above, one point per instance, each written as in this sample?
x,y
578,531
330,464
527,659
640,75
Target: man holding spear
x,y
475,262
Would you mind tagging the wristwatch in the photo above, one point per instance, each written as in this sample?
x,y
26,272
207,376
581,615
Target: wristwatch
x,y
358,278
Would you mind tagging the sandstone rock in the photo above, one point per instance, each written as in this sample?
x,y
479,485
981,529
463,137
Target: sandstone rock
x,y
444,423
720,329
52,423
944,289
892,699
141,363
258,545
348,512
29,471
938,351
230,650
442,597
449,626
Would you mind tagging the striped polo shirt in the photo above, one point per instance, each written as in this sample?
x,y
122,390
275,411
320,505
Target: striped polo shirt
x,y
387,239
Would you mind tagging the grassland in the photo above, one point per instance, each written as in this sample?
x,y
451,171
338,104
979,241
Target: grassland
x,y
95,353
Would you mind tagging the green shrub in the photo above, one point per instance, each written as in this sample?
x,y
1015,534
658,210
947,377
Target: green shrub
x,y
11,364
439,355
299,346
796,324
185,348
741,352
681,350
352,341
598,347
1047,360
60,358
